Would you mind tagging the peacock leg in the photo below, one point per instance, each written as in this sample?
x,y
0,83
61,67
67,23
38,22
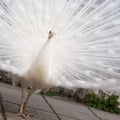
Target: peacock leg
x,y
24,103
22,100
23,93
27,99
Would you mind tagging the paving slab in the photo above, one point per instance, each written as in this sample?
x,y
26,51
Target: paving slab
x,y
11,116
105,115
36,105
68,118
42,115
14,96
71,110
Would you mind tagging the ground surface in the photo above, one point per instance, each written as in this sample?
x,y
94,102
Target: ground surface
x,y
52,109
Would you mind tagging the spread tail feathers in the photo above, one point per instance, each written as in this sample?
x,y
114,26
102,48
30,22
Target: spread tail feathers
x,y
85,50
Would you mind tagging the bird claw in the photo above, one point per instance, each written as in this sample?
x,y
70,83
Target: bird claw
x,y
25,116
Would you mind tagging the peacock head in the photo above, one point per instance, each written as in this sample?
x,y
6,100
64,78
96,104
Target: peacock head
x,y
50,35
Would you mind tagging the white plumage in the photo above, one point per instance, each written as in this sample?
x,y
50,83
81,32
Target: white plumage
x,y
83,52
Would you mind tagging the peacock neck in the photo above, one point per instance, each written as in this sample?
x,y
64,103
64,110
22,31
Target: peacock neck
x,y
43,63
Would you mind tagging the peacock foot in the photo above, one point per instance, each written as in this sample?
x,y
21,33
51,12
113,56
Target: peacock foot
x,y
25,116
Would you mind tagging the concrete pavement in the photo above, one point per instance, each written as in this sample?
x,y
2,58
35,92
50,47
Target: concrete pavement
x,y
47,108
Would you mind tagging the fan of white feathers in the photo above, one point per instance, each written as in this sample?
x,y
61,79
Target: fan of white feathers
x,y
84,50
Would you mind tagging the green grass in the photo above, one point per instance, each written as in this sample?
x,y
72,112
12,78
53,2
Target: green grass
x,y
51,93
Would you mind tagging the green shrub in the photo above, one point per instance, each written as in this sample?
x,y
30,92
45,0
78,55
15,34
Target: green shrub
x,y
109,104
